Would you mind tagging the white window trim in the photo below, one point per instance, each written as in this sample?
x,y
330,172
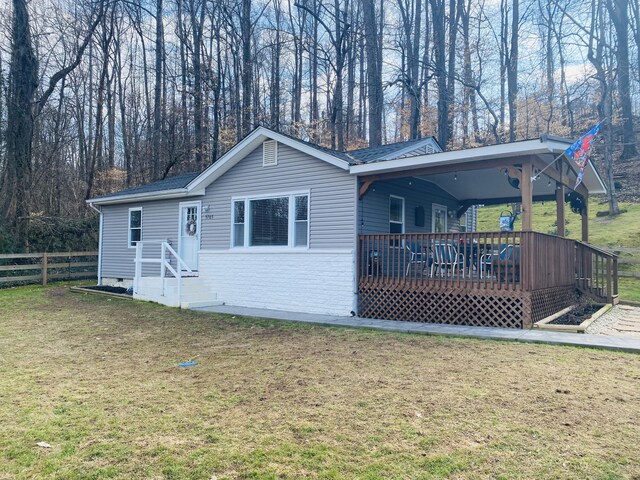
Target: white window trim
x,y
133,209
437,206
291,227
233,222
403,212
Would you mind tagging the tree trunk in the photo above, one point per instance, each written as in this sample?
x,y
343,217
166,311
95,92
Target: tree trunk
x,y
22,87
157,93
512,71
439,40
374,73
619,11
247,66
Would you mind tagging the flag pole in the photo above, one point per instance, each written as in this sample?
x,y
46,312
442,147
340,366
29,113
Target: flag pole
x,y
537,175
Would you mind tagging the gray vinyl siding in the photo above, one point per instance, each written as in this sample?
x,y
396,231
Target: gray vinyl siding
x,y
331,203
159,222
373,209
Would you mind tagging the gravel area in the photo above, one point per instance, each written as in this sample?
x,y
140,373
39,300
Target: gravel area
x,y
620,321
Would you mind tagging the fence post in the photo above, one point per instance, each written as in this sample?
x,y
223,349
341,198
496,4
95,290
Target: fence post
x,y
615,276
45,268
609,280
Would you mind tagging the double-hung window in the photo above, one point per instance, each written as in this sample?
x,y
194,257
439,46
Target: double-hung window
x,y
135,226
274,221
238,224
396,214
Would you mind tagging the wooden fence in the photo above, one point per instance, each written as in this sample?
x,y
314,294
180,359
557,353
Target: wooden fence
x,y
22,268
634,271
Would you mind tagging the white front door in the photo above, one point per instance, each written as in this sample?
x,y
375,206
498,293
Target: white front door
x,y
189,236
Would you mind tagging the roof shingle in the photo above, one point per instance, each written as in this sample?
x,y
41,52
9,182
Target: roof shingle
x,y
170,183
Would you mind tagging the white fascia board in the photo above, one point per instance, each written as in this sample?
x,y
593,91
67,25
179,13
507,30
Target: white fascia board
x,y
505,150
247,145
163,195
603,187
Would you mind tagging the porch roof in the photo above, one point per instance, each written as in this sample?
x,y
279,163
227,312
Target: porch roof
x,y
479,173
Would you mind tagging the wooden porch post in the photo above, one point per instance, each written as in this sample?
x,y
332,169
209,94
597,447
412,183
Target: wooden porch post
x,y
585,220
560,209
526,188
560,230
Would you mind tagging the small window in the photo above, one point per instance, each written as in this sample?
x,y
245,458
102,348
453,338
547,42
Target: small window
x,y
135,226
269,153
238,223
396,214
301,225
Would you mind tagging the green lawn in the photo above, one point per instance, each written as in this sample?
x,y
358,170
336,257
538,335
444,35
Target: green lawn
x,y
607,232
97,378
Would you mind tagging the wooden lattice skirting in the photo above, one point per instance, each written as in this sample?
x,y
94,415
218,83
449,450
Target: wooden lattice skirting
x,y
504,308
501,308
551,300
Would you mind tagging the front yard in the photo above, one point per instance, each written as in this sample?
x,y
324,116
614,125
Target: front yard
x,y
98,379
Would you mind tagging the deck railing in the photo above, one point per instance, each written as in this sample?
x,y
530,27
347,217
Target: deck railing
x,y
487,260
515,261
596,272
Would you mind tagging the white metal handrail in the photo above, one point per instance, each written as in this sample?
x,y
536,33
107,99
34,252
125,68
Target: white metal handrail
x,y
166,252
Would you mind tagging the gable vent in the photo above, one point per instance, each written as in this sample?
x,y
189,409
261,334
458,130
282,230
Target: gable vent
x,y
269,153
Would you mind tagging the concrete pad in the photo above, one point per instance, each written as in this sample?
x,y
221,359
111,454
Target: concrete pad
x,y
489,333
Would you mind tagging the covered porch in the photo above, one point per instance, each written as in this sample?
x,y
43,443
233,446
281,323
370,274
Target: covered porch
x,y
432,274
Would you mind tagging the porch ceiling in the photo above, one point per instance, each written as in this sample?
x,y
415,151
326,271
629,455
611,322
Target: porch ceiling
x,y
478,169
486,184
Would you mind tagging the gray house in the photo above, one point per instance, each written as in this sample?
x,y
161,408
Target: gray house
x,y
279,223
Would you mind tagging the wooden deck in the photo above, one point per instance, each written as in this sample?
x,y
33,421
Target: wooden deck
x,y
502,279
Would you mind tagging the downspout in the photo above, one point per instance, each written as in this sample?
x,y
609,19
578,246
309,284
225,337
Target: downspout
x,y
356,251
99,210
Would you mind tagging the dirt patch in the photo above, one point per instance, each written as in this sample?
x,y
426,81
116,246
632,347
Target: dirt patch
x,y
577,316
108,289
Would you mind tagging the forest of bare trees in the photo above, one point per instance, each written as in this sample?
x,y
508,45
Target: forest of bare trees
x,y
98,95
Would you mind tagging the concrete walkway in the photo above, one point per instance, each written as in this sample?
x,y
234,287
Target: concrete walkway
x,y
528,336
